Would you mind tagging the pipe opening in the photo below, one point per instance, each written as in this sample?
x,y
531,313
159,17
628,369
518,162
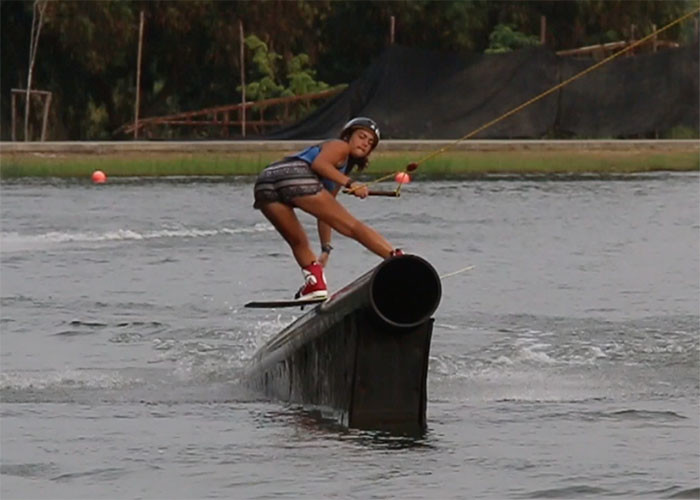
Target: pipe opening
x,y
405,291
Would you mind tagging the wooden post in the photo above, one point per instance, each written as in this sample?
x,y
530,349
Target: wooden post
x,y
45,121
392,29
137,105
242,57
543,30
631,40
39,8
14,116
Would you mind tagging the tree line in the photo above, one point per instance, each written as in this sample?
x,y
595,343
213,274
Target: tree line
x,y
86,54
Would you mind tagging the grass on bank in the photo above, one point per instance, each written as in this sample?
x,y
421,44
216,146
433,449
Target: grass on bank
x,y
449,164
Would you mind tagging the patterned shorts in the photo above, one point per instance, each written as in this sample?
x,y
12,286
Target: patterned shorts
x,y
285,180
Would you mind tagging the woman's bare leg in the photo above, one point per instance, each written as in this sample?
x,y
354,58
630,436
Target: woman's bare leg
x,y
285,221
324,206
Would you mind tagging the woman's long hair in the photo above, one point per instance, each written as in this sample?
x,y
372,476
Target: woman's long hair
x,y
360,163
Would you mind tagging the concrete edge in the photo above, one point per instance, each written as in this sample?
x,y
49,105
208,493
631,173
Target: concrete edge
x,y
387,146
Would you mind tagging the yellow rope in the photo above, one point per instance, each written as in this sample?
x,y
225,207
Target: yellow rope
x,y
542,95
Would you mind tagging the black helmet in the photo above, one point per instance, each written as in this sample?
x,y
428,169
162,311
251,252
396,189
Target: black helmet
x,y
361,122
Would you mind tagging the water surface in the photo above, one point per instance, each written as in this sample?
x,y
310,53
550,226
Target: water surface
x,y
564,365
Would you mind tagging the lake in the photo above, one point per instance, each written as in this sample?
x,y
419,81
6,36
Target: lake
x,y
565,364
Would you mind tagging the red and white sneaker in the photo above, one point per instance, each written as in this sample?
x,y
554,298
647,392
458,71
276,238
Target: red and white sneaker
x,y
314,283
396,253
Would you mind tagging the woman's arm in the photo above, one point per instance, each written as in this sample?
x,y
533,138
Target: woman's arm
x,y
324,235
334,154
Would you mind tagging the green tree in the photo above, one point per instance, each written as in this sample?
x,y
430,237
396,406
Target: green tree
x,y
87,54
301,77
269,81
504,38
264,62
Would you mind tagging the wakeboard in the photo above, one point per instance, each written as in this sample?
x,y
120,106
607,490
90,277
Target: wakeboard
x,y
270,304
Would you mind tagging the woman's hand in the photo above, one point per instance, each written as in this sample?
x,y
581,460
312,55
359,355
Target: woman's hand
x,y
359,190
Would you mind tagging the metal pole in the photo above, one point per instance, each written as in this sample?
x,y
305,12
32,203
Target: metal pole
x,y
138,78
45,121
633,28
392,30
14,116
543,30
39,8
242,57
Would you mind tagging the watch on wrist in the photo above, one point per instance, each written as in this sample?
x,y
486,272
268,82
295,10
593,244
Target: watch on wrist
x,y
326,247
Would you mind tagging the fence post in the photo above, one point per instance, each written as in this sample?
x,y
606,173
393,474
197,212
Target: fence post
x,y
14,116
633,28
138,79
45,121
392,29
38,8
242,56
543,30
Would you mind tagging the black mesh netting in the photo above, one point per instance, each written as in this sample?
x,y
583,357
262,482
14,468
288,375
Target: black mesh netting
x,y
419,94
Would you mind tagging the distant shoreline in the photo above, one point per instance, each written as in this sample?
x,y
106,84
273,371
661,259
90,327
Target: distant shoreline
x,y
102,147
225,158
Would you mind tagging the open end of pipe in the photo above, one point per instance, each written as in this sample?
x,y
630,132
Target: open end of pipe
x,y
405,291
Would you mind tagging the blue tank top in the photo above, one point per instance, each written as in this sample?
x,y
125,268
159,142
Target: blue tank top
x,y
310,154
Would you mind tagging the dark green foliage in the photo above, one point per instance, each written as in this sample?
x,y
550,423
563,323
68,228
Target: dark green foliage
x,y
87,50
504,39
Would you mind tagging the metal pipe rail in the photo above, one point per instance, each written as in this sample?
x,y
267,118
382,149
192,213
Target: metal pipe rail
x,y
361,357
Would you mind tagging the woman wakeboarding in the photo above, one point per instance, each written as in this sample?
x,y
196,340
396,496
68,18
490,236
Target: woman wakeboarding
x,y
310,180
